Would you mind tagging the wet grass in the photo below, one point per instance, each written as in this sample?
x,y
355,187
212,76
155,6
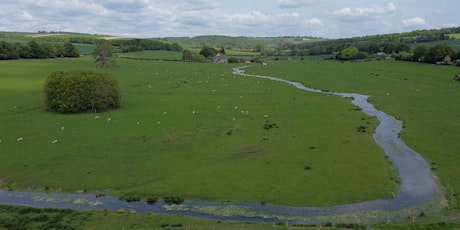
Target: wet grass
x,y
170,138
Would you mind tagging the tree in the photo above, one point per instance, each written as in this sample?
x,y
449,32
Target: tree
x,y
104,54
70,50
402,47
36,50
438,53
49,50
349,53
420,52
207,52
81,91
7,51
187,55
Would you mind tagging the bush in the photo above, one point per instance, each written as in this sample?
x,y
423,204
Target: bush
x,y
173,200
81,91
130,198
457,77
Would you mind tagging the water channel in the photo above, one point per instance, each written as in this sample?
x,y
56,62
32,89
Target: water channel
x,y
418,192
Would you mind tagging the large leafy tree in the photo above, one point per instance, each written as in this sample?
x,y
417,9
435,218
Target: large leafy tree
x,y
420,52
104,55
81,91
349,53
70,50
187,55
208,51
438,53
36,50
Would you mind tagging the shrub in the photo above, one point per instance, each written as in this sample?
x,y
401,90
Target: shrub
x,y
457,77
173,200
152,199
81,91
130,198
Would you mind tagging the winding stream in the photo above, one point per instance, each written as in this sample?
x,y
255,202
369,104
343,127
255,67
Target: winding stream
x,y
418,192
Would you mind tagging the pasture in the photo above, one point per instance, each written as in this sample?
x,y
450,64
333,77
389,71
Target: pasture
x,y
423,96
192,130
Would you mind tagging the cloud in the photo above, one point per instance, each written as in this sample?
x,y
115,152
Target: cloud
x,y
294,3
313,22
359,13
127,6
414,22
195,4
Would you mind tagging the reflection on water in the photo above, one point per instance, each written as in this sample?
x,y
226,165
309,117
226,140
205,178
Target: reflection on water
x,y
418,191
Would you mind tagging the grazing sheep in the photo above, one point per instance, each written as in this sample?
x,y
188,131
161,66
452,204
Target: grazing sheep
x,y
54,142
20,139
266,116
164,113
109,119
193,112
96,117
62,128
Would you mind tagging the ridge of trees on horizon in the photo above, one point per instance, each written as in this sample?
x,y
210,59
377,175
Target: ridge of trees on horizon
x,y
33,50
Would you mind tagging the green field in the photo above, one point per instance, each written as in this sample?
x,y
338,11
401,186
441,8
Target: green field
x,y
179,133
423,96
153,55
154,143
455,36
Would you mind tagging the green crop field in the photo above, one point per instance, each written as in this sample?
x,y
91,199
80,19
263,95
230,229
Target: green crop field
x,y
192,130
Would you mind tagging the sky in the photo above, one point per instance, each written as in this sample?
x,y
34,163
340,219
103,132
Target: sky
x,y
252,18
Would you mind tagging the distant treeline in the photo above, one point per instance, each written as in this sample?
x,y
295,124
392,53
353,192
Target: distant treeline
x,y
135,45
122,44
33,50
387,43
130,45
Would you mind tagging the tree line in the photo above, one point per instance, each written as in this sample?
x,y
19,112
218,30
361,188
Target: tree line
x,y
33,50
438,54
387,43
135,45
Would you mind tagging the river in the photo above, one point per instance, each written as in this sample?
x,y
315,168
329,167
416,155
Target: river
x,y
418,192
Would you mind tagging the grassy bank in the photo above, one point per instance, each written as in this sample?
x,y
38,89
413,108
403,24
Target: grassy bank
x,y
191,130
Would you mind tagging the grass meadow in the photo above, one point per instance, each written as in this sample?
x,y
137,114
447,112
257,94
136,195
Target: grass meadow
x,y
192,130
423,96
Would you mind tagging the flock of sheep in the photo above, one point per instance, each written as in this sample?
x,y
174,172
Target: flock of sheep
x,y
55,141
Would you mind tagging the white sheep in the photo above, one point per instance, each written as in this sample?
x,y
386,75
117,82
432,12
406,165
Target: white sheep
x,y
96,117
54,142
109,119
20,139
193,112
164,113
0,141
62,128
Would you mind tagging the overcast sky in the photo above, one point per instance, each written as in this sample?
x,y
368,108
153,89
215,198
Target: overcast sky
x,y
255,18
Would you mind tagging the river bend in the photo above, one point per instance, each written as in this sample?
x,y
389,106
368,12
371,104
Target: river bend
x,y
418,192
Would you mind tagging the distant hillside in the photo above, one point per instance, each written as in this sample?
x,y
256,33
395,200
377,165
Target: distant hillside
x,y
240,43
266,46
